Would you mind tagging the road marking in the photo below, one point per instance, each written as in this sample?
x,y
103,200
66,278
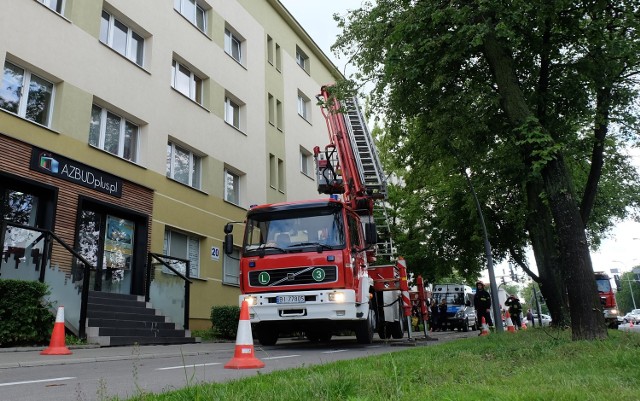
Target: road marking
x,y
37,381
190,366
280,357
335,351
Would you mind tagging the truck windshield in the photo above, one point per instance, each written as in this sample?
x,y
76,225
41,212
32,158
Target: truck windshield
x,y
295,229
453,298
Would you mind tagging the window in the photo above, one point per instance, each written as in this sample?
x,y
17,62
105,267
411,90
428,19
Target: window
x,y
26,94
186,82
183,166
55,5
233,45
121,38
278,58
281,175
273,174
303,106
113,134
191,10
231,187
231,268
231,112
302,59
280,115
183,246
305,162
270,49
272,109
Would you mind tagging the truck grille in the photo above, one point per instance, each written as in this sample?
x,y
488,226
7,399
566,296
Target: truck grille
x,y
293,276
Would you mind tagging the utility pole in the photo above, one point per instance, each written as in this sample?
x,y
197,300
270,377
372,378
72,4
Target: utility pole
x,y
497,315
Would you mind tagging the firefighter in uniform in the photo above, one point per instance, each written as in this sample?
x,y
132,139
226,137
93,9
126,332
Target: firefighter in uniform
x,y
515,310
482,304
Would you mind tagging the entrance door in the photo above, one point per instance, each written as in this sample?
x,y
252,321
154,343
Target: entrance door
x,y
107,241
23,206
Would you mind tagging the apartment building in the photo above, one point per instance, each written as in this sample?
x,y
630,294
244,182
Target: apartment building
x,y
137,128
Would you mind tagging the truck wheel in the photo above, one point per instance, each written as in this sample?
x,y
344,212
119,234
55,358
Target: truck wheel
x,y
267,336
364,330
465,325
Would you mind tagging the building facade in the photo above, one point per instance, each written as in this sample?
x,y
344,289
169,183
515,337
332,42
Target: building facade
x,y
137,127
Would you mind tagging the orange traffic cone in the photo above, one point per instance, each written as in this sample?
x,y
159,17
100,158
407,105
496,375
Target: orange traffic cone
x,y
244,356
57,346
510,327
485,328
630,323
523,326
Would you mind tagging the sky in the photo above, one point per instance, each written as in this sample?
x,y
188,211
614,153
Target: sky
x,y
620,251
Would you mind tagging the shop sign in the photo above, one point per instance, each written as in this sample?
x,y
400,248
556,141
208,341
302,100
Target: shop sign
x,y
72,171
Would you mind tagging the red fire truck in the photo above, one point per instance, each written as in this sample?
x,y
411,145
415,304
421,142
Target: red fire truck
x,y
607,299
309,266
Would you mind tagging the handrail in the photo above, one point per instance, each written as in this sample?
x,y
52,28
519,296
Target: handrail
x,y
187,282
87,266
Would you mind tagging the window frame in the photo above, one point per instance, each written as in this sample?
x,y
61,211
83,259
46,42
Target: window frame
x,y
23,101
195,165
178,5
232,112
194,268
236,187
122,133
233,259
302,59
304,109
129,53
196,83
305,161
231,38
59,6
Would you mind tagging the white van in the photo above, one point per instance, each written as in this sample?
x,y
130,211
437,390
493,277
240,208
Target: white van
x,y
460,312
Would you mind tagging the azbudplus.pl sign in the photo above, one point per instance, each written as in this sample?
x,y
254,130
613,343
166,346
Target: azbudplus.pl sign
x,y
72,171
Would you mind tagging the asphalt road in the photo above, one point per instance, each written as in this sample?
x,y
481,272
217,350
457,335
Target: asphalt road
x,y
99,373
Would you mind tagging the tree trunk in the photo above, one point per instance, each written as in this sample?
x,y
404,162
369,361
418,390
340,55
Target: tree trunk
x,y
545,252
587,320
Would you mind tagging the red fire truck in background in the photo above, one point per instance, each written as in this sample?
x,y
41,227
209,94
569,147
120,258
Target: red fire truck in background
x,y
309,266
607,299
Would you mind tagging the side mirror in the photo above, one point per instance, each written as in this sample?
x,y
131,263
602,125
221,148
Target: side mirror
x,y
370,234
228,228
228,243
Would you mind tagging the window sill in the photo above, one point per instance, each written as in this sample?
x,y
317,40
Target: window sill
x,y
191,100
307,175
234,204
55,12
236,128
187,186
124,57
234,59
116,156
193,25
230,284
30,122
305,119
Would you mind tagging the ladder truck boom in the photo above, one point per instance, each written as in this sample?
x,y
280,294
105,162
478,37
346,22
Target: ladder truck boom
x,y
310,265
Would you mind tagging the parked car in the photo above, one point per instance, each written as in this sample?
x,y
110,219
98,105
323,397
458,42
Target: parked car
x,y
633,316
546,319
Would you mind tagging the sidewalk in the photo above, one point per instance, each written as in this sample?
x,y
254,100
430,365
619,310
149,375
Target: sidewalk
x,y
30,356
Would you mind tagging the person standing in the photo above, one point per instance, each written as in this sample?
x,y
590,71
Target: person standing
x,y
482,304
442,314
433,315
530,317
515,310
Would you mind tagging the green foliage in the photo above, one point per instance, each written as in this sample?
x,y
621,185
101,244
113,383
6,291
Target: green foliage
x,y
225,321
24,318
537,364
576,68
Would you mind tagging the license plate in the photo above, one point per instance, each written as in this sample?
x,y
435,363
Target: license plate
x,y
290,299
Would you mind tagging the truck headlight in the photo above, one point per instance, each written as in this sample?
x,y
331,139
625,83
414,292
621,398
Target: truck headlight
x,y
336,297
250,300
